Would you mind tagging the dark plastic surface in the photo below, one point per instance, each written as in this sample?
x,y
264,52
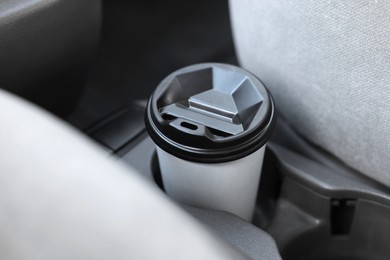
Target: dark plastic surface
x,y
317,209
210,113
120,128
143,41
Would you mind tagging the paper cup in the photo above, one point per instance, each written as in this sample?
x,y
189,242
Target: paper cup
x,y
211,123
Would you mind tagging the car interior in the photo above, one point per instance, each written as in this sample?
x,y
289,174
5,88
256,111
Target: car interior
x,y
81,176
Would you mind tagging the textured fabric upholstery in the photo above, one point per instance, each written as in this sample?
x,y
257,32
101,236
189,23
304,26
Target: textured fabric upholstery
x,y
62,198
327,64
46,47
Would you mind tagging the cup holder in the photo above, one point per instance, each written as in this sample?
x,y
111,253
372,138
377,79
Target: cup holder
x,y
329,230
321,214
315,213
156,172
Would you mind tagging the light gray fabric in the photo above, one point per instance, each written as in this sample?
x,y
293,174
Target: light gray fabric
x,y
250,239
327,64
62,198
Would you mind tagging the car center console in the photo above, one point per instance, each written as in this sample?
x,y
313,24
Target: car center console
x,y
310,204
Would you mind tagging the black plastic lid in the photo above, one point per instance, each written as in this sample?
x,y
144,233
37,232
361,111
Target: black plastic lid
x,y
210,113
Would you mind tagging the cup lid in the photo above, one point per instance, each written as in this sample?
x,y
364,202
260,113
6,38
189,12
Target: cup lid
x,y
209,113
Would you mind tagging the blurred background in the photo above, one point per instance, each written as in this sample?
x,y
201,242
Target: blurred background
x,y
143,41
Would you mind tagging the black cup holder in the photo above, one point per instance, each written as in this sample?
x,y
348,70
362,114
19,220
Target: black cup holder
x,y
315,213
156,174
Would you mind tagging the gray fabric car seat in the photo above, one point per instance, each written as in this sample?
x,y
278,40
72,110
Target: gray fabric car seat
x,y
327,64
46,47
61,197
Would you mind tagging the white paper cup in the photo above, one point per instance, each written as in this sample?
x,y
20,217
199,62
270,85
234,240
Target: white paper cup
x,y
230,186
211,123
